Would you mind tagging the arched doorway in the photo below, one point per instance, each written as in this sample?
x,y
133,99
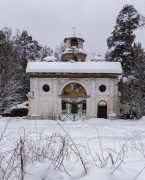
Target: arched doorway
x,y
102,109
73,100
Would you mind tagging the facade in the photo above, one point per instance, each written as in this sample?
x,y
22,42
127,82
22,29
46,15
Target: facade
x,y
73,88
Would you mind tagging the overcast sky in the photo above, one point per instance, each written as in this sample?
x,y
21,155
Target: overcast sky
x,y
50,21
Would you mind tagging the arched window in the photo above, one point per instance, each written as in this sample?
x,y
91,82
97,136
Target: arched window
x,y
74,42
75,58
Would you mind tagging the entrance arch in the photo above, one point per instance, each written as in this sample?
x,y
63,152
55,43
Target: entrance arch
x,y
73,89
73,99
102,109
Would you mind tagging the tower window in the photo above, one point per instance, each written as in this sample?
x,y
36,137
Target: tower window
x,y
74,42
75,58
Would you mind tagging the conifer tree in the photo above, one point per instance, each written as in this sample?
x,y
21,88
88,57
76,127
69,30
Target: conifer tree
x,y
122,49
122,38
10,71
44,52
28,50
132,87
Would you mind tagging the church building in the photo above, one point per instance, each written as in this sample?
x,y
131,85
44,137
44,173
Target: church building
x,y
73,88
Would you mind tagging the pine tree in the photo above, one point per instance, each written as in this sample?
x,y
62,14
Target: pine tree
x,y
10,71
122,49
15,52
132,87
59,50
44,52
121,41
28,50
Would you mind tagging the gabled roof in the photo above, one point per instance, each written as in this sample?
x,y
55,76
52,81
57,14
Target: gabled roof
x,y
76,67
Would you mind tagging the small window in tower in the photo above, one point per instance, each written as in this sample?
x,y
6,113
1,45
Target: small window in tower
x,y
75,58
74,42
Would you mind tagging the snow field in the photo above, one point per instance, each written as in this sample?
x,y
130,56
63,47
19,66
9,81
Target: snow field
x,y
106,150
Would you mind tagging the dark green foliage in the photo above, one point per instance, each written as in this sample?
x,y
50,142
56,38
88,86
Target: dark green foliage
x,y
28,50
132,57
132,87
10,72
15,52
122,38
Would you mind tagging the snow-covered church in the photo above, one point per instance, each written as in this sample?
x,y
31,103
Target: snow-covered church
x,y
73,88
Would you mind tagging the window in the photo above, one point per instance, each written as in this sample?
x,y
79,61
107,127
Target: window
x,y
46,88
84,105
75,58
102,88
63,105
74,42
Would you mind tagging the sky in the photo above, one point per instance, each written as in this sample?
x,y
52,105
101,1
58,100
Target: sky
x,y
50,21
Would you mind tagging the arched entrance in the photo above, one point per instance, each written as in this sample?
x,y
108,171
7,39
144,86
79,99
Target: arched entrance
x,y
102,109
73,101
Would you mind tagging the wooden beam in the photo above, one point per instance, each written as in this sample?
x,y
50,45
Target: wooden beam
x,y
59,75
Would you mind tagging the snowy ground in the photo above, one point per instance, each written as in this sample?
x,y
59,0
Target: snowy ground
x,y
110,150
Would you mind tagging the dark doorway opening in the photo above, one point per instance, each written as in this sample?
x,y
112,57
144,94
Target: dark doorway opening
x,y
102,110
74,108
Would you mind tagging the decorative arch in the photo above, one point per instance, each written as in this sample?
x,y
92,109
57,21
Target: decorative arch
x,y
102,103
73,89
102,109
72,81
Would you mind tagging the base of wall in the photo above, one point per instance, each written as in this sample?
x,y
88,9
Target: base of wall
x,y
58,117
55,117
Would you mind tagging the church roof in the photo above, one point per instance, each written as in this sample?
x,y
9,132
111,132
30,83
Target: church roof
x,y
98,58
76,67
74,37
50,59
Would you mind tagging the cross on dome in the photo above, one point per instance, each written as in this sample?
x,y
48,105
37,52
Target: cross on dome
x,y
93,54
74,30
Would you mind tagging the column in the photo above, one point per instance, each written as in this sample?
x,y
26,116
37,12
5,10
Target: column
x,y
93,97
36,97
55,100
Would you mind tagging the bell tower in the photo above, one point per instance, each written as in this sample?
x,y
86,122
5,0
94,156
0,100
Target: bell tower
x,y
74,50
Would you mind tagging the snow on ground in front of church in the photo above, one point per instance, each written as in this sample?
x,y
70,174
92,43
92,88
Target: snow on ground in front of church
x,y
111,150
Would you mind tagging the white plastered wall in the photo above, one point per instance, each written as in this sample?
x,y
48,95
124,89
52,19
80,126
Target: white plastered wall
x,y
47,105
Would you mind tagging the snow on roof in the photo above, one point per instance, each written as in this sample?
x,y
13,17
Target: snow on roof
x,y
50,59
74,50
98,58
74,37
78,67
